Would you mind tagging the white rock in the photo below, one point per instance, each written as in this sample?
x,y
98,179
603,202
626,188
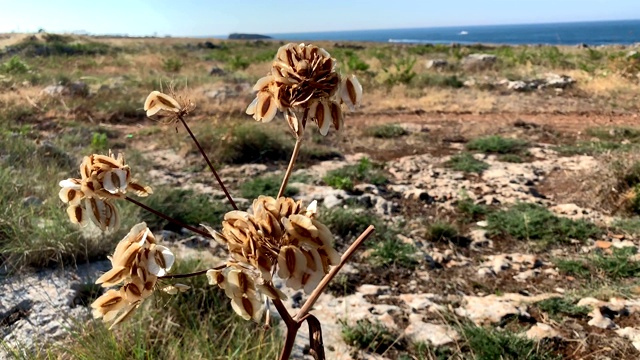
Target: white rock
x,y
434,334
541,331
632,334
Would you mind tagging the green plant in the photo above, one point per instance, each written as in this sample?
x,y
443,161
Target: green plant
x,y
628,225
618,265
367,335
99,142
512,158
238,62
467,163
562,306
441,231
391,251
185,325
386,131
526,221
496,145
365,171
14,66
403,71
172,65
573,267
265,185
469,207
347,223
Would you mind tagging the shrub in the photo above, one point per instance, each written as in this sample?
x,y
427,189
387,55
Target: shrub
x,y
386,131
14,66
99,142
441,231
172,65
467,163
496,145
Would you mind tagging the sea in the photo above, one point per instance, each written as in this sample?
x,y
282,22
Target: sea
x,y
590,33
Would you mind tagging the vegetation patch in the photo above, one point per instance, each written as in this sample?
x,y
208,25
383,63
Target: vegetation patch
x,y
526,221
441,232
471,209
562,306
392,251
346,177
618,265
497,145
491,344
185,206
465,162
265,185
386,131
369,336
183,326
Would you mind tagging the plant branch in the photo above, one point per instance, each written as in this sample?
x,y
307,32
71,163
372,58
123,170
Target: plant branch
x,y
213,170
294,157
188,275
292,329
334,271
170,219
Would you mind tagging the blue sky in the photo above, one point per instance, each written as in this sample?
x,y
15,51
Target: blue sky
x,y
200,17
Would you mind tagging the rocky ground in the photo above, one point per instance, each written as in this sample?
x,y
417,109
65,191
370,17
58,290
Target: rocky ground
x,y
477,278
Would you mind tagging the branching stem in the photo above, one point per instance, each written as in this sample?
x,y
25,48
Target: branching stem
x,y
168,218
213,170
294,157
315,333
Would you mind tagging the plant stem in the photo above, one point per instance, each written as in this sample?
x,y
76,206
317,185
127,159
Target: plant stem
x,y
213,170
334,271
294,157
168,218
292,329
188,275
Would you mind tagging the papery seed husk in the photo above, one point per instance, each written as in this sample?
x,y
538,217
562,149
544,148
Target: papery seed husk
x,y
238,306
336,115
77,215
291,262
71,196
113,276
266,107
133,292
128,311
351,92
139,190
271,291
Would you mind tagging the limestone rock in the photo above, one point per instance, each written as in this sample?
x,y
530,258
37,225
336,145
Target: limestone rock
x,y
434,334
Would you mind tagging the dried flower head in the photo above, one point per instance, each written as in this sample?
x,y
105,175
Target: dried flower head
x,y
303,79
137,263
278,237
159,105
103,179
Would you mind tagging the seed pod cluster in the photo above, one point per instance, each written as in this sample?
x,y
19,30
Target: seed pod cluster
x,y
103,179
137,263
304,80
278,237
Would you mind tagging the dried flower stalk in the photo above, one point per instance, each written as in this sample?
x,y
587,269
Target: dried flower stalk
x,y
276,238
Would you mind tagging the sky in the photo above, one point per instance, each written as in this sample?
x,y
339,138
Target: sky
x,y
215,17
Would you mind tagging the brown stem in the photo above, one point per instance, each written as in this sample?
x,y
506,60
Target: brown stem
x,y
213,170
168,218
188,275
292,329
294,157
334,271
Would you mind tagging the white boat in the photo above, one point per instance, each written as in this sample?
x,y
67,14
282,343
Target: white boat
x,y
463,32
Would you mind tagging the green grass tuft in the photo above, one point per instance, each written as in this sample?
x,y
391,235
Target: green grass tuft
x,y
496,145
386,131
183,205
534,222
392,251
346,177
369,336
561,306
491,344
265,185
441,232
467,163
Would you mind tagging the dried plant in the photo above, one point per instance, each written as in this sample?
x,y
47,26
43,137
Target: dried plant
x,y
276,238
